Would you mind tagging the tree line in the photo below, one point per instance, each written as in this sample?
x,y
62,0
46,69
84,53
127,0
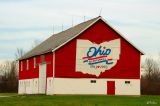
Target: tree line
x,y
9,78
150,79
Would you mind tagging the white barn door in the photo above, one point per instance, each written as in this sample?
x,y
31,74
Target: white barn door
x,y
42,78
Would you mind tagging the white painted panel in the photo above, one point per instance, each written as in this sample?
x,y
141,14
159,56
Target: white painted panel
x,y
50,87
35,86
84,86
28,86
80,86
127,89
42,78
22,87
94,58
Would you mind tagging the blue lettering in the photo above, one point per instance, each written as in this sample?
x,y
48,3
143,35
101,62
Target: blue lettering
x,y
108,51
91,49
93,52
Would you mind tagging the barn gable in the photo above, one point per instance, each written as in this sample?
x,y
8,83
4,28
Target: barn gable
x,y
60,39
68,59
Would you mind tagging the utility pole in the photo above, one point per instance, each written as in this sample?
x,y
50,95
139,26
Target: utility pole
x,y
100,12
72,20
84,18
53,29
62,27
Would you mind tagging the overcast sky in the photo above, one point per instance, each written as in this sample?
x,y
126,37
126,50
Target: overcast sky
x,y
24,21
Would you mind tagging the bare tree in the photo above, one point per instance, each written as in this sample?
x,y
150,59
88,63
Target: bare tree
x,y
10,79
150,82
151,69
159,60
2,69
19,53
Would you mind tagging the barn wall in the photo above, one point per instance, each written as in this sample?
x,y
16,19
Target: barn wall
x,y
80,86
84,86
28,86
62,77
29,79
128,66
34,72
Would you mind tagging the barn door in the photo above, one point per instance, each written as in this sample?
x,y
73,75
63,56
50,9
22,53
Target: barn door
x,y
110,87
42,78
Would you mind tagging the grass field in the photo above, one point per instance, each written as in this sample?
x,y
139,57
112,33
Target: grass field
x,y
77,100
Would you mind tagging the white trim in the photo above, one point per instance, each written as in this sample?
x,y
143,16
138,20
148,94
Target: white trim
x,y
54,64
21,64
34,62
91,25
27,68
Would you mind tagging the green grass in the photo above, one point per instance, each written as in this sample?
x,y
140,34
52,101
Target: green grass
x,y
8,94
78,100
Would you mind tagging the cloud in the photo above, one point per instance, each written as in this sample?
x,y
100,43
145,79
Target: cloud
x,y
23,21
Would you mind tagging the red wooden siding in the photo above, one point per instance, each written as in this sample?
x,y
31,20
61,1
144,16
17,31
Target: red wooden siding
x,y
34,72
128,66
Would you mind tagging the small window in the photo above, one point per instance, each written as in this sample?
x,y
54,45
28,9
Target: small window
x,y
27,64
42,58
93,81
34,59
127,82
21,65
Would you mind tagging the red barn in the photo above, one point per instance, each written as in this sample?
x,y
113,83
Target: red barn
x,y
89,58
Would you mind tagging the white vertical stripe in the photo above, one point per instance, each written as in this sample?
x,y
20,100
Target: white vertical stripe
x,y
54,64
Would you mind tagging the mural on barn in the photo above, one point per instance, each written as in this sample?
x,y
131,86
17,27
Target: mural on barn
x,y
95,59
89,58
